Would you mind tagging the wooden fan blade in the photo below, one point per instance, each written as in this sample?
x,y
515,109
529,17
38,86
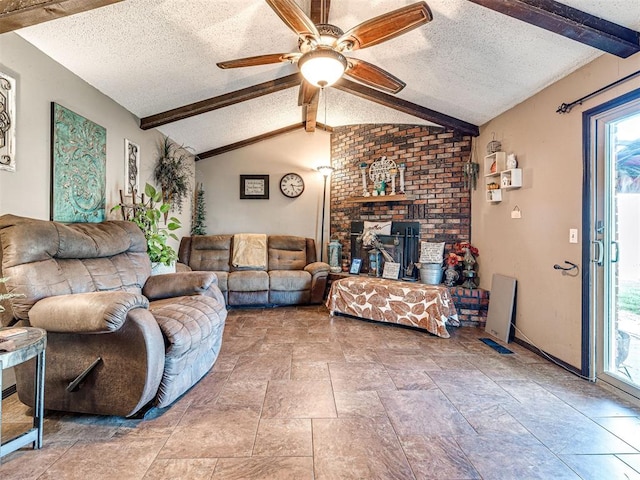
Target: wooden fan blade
x,y
293,16
385,27
307,93
373,76
259,60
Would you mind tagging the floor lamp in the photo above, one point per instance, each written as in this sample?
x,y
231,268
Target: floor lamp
x,y
325,170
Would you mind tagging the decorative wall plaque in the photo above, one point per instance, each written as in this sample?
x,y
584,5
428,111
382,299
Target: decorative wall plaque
x,y
7,123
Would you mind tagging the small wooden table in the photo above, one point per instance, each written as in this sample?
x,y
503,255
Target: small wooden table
x,y
428,307
31,343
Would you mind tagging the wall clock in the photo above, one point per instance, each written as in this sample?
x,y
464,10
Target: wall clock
x,y
292,185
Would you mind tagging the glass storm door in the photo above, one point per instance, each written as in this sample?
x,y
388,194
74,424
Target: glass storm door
x,y
615,244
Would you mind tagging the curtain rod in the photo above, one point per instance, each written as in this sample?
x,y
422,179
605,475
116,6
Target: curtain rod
x,y
566,107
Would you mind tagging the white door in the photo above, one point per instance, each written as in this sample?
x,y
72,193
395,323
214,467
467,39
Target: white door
x,y
614,289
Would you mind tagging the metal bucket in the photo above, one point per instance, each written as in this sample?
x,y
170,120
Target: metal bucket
x,y
431,273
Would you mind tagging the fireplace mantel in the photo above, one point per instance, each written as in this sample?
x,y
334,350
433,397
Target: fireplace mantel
x,y
382,198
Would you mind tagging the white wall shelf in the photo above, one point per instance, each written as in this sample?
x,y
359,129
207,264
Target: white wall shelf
x,y
498,178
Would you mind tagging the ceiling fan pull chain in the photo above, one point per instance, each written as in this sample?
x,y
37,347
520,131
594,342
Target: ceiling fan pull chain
x,y
324,94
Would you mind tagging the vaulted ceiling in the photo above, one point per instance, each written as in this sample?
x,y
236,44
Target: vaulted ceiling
x,y
473,61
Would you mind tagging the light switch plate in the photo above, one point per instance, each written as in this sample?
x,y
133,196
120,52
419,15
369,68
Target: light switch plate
x,y
573,235
516,214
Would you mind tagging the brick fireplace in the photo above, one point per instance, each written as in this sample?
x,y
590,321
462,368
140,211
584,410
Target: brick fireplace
x,y
434,159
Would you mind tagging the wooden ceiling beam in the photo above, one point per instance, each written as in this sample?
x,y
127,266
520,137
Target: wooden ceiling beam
x,y
248,141
317,13
19,14
256,139
220,101
310,112
571,23
405,106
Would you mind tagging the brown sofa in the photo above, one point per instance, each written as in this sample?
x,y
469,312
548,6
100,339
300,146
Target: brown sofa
x,y
291,276
89,286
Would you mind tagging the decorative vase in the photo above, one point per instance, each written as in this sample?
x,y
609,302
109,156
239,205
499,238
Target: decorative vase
x,y
469,273
451,276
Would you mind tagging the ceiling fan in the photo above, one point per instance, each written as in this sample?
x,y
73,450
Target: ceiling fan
x,y
322,47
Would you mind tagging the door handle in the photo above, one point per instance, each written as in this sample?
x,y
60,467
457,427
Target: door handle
x,y
616,252
599,252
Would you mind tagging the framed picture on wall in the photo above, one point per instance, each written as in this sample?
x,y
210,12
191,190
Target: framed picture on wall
x,y
131,167
254,187
78,167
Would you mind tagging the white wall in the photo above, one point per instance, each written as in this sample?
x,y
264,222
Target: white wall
x,y
40,81
298,152
549,150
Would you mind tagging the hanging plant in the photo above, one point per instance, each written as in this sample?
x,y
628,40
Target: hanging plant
x,y
172,173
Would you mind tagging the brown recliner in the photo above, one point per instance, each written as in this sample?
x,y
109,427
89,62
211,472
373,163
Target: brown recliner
x,y
149,339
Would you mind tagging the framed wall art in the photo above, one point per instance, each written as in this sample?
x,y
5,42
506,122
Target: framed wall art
x,y
131,167
7,123
78,167
254,187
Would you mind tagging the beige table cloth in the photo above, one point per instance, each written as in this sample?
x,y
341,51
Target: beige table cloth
x,y
429,307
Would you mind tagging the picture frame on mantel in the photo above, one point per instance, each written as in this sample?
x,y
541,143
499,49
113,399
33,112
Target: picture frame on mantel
x,y
356,265
78,167
254,187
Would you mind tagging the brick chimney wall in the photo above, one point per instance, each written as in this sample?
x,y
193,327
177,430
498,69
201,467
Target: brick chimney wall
x,y
434,159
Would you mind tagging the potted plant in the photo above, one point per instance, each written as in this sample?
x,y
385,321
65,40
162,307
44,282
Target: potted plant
x,y
147,214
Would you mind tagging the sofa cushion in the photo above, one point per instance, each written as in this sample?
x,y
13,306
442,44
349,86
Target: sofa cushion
x,y
210,252
289,280
248,281
287,252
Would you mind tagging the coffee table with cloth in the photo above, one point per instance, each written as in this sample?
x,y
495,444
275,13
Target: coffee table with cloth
x,y
428,307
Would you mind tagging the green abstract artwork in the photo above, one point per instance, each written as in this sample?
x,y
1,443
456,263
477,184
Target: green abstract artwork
x,y
78,167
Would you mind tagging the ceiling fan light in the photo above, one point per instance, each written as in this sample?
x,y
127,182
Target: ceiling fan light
x,y
322,67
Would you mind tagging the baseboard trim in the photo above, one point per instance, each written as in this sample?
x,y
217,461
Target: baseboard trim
x,y
7,392
548,356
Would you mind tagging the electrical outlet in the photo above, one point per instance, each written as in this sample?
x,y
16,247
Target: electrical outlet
x,y
573,235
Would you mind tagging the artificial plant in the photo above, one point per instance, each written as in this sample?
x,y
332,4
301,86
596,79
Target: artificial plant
x,y
199,212
172,172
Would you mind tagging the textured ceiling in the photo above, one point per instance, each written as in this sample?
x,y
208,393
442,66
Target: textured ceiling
x,y
151,56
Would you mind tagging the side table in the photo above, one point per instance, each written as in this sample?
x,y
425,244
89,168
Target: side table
x,y
31,343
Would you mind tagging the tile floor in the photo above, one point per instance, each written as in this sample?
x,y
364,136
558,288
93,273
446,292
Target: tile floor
x,y
297,394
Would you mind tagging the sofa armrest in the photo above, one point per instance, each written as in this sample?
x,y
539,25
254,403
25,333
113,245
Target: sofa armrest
x,y
317,267
319,272
181,267
94,312
178,284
